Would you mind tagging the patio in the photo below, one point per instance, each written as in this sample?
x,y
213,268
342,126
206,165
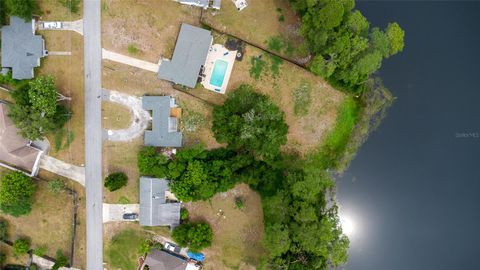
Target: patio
x,y
215,75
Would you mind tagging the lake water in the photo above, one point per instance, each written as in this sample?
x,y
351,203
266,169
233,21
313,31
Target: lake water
x,y
413,192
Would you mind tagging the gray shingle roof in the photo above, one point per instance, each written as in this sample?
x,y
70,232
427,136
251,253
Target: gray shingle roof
x,y
160,135
189,56
21,48
154,210
217,4
162,260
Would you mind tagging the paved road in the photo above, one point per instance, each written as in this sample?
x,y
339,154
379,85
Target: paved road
x,y
93,132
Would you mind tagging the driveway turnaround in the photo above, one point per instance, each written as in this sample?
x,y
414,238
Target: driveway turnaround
x,y
140,117
92,55
64,169
127,60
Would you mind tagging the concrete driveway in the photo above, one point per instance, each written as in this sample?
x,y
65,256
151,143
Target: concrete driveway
x,y
127,60
62,168
76,26
114,212
140,117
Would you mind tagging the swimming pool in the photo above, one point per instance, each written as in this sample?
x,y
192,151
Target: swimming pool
x,y
218,73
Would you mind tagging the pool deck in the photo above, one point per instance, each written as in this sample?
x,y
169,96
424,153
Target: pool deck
x,y
217,52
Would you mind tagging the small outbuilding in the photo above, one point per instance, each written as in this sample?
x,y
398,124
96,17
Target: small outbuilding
x,y
189,56
21,48
157,207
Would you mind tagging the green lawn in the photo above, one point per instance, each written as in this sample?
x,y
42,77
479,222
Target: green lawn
x,y
123,250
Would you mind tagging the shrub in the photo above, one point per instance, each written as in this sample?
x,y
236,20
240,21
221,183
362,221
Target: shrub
x,y
16,192
257,67
3,258
60,261
183,214
132,49
3,230
116,181
195,236
21,246
40,251
239,203
275,43
33,267
56,186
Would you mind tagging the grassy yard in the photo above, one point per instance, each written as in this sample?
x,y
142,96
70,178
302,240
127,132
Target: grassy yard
x,y
153,35
260,22
115,116
68,74
237,232
283,81
53,10
122,242
48,225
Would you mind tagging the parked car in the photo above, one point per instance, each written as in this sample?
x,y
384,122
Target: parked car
x,y
172,247
130,216
52,25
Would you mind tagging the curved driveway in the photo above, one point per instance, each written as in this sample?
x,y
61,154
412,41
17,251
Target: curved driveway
x,y
140,116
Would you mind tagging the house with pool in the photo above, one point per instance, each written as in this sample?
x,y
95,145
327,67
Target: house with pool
x,y
197,60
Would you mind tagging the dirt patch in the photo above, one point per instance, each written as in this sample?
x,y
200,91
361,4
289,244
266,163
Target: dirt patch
x,y
237,232
150,26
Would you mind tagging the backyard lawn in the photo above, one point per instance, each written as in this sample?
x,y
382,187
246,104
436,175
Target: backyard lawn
x,y
237,233
48,225
122,243
261,21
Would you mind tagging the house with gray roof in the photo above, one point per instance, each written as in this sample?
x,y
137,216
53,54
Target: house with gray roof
x,y
155,208
21,48
164,132
189,56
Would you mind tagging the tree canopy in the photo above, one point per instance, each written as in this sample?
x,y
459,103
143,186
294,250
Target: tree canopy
x,y
16,192
21,8
115,181
344,50
36,111
196,236
249,122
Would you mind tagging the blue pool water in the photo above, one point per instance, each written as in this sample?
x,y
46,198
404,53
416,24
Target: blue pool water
x,y
218,74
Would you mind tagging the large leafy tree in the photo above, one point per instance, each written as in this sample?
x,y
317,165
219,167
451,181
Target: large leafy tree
x,y
250,123
344,50
196,236
16,192
22,8
36,111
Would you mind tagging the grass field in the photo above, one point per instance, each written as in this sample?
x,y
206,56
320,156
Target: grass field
x,y
237,232
48,225
122,245
115,116
261,21
68,74
52,10
153,35
280,81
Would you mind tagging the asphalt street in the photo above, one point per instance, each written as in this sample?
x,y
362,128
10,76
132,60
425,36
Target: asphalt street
x,y
93,132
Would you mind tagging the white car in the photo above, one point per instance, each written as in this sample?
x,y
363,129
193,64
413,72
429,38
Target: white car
x,y
52,25
172,247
